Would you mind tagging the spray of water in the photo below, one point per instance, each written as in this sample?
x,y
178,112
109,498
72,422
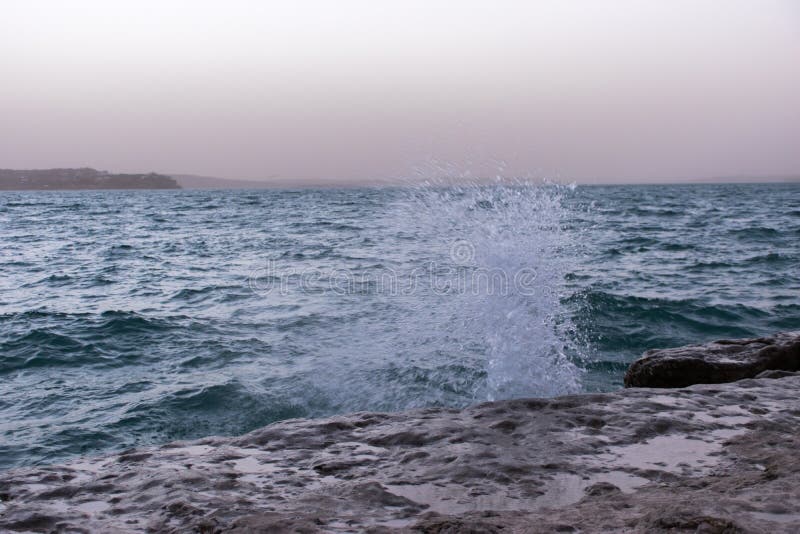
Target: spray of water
x,y
460,300
507,251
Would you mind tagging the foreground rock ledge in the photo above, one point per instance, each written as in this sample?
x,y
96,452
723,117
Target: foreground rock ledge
x,y
717,362
709,458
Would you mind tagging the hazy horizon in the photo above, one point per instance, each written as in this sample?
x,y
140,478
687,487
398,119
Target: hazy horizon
x,y
359,92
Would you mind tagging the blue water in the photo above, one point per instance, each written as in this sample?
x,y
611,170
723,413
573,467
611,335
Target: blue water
x,y
140,317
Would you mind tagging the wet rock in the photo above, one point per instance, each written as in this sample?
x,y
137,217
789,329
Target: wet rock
x,y
273,523
716,362
374,493
601,488
671,520
456,526
775,374
29,521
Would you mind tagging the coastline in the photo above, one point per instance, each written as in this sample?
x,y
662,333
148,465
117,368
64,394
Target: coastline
x,y
707,458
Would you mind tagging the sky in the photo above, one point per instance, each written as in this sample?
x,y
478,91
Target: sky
x,y
377,91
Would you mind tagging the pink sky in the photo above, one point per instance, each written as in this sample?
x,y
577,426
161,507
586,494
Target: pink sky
x,y
347,91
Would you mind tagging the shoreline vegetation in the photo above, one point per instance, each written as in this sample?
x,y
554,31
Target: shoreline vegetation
x,y
683,456
80,179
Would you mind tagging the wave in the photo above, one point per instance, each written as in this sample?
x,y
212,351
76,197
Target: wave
x,y
710,265
328,225
760,259
655,212
227,408
631,324
770,258
754,232
200,295
117,323
39,339
677,247
46,348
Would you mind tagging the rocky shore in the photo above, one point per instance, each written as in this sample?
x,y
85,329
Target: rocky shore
x,y
712,458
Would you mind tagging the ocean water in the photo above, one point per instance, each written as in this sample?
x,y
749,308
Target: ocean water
x,y
139,317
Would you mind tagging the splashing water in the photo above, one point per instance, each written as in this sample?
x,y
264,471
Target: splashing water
x,y
509,252
140,328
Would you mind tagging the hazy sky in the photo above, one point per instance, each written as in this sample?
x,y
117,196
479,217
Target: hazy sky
x,y
351,90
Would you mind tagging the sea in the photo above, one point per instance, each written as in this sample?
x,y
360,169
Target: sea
x,y
130,318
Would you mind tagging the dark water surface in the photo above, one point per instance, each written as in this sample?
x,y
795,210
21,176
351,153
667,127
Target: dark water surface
x,y
135,317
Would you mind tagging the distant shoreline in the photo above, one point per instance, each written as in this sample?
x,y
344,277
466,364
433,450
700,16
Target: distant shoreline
x,y
363,186
89,179
82,179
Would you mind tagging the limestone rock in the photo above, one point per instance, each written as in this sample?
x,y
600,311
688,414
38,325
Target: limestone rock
x,y
716,362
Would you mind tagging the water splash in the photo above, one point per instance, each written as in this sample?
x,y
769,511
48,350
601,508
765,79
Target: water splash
x,y
507,252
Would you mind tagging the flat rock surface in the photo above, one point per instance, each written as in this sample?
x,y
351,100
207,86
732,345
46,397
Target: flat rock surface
x,y
708,458
717,362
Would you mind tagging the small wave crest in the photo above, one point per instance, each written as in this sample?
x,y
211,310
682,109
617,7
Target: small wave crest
x,y
628,325
38,339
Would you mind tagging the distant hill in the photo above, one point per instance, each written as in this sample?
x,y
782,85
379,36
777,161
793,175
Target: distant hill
x,y
193,181
84,178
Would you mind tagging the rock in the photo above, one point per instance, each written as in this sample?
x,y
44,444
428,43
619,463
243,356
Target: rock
x,y
601,488
716,362
772,373
456,526
679,520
